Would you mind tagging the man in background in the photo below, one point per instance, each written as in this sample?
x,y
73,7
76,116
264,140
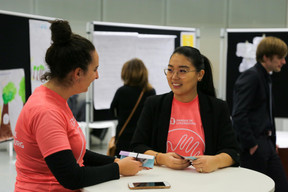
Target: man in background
x,y
252,113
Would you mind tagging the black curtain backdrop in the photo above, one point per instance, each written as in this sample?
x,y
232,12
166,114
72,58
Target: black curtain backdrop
x,y
280,80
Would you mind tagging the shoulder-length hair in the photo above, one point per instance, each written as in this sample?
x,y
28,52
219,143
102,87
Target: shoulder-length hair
x,y
134,73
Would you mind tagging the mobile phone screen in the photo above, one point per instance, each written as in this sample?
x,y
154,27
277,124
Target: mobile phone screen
x,y
149,184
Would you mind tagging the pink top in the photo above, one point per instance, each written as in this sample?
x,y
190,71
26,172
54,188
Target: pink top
x,y
186,134
45,126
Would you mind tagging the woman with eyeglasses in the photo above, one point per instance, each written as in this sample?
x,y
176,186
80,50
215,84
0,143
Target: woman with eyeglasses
x,y
189,121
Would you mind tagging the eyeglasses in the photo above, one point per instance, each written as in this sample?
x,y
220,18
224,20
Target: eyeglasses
x,y
182,73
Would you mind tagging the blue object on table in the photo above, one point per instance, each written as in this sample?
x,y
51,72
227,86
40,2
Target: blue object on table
x,y
147,160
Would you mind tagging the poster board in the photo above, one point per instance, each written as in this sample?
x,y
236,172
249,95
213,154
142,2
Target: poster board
x,y
241,50
15,61
101,112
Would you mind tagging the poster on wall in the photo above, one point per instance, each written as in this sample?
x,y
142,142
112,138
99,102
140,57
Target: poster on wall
x,y
241,55
188,39
155,52
40,40
115,48
12,90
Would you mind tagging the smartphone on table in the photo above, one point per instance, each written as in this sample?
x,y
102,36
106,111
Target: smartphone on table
x,y
149,185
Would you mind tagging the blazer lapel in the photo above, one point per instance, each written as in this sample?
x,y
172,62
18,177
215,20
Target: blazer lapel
x,y
164,121
207,120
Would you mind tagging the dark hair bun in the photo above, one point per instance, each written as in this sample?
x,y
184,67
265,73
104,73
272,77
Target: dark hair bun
x,y
61,32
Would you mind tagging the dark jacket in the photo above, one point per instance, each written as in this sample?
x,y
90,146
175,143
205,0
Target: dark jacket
x,y
250,114
153,125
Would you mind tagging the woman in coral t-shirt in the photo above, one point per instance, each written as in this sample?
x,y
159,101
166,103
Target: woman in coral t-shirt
x,y
189,121
49,144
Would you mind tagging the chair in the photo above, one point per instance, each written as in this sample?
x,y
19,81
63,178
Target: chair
x,y
100,133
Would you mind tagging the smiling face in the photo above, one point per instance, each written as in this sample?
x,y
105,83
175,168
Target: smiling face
x,y
85,79
184,88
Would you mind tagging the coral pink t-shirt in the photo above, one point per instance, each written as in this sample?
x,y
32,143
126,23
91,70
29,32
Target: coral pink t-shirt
x,y
45,126
186,134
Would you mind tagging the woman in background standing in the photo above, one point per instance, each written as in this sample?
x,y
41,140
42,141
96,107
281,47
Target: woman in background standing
x,y
135,77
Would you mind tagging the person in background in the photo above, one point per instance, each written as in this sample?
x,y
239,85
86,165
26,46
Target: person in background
x,y
77,107
135,77
189,120
49,144
252,113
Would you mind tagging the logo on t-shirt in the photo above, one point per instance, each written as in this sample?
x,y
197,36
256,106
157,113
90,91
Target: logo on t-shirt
x,y
186,134
18,143
73,121
172,121
185,142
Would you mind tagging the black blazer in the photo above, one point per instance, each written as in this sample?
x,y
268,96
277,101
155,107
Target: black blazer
x,y
250,114
153,125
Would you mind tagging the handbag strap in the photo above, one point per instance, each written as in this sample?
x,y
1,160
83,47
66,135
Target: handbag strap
x,y
131,114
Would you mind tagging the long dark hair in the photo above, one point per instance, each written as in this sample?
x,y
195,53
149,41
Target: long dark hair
x,y
67,52
200,62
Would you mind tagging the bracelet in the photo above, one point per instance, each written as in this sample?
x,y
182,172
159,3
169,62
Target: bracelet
x,y
156,159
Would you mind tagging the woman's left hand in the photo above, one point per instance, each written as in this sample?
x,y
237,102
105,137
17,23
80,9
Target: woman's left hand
x,y
205,163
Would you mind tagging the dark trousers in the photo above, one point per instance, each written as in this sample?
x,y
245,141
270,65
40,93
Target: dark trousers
x,y
266,161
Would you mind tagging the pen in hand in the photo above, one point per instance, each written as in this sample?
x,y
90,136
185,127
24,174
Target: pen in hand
x,y
180,156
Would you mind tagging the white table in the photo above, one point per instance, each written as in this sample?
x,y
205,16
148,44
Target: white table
x,y
230,179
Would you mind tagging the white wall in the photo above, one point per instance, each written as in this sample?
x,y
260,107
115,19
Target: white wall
x,y
208,15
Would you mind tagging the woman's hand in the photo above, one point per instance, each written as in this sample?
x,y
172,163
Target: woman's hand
x,y
129,166
172,160
207,163
253,149
116,160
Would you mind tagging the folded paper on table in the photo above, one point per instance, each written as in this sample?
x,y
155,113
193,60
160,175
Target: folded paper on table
x,y
147,160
